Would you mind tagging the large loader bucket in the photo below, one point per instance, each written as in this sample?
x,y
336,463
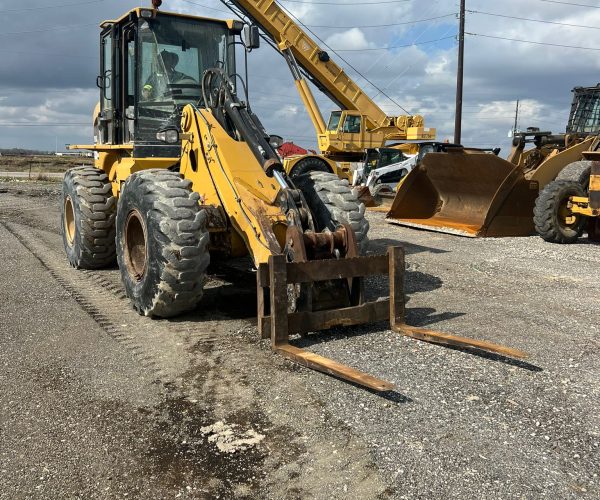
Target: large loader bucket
x,y
466,193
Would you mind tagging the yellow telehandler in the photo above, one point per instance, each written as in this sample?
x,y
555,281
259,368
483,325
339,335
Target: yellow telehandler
x,y
471,193
359,126
185,171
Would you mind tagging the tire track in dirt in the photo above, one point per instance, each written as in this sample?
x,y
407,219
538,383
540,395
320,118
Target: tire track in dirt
x,y
214,369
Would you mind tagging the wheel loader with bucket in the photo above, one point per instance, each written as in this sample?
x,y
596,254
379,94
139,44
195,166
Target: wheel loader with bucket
x,y
472,193
569,206
185,172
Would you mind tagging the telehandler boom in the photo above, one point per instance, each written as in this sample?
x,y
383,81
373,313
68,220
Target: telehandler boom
x,y
360,124
185,172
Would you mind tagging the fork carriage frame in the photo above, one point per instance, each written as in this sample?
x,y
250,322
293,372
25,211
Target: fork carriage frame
x,y
278,324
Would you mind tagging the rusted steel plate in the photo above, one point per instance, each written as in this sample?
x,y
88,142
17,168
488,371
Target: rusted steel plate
x,y
278,300
321,270
332,367
454,340
302,322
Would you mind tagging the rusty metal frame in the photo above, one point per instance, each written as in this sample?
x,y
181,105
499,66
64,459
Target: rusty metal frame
x,y
274,277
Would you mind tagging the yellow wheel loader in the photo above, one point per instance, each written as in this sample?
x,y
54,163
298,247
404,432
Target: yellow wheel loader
x,y
569,206
185,171
472,193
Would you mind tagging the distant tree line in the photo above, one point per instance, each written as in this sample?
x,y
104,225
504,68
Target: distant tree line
x,y
23,152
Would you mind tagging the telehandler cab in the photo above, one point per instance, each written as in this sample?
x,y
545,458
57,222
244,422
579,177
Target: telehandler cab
x,y
184,171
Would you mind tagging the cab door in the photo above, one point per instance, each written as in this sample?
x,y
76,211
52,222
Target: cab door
x,y
105,81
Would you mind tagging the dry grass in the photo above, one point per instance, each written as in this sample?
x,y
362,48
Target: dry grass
x,y
41,164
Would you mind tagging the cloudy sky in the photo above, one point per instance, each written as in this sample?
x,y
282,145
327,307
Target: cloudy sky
x,y
406,48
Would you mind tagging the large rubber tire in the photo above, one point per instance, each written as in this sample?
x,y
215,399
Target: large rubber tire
x,y
551,208
310,164
88,218
162,243
332,202
578,171
377,190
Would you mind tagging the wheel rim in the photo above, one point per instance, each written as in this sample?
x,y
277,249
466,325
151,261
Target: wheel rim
x,y
135,245
567,218
69,220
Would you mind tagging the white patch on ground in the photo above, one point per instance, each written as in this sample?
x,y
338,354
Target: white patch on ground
x,y
229,438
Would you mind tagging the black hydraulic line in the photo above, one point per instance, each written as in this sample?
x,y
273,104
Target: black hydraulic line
x,y
219,96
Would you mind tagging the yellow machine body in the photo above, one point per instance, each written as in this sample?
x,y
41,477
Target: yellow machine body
x,y
245,201
475,193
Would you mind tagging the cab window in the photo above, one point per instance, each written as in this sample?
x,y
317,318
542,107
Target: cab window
x,y
334,120
352,124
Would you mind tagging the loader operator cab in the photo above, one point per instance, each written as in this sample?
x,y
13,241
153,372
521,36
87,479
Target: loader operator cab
x,y
151,67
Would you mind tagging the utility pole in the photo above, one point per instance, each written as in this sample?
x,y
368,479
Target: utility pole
x,y
516,118
459,74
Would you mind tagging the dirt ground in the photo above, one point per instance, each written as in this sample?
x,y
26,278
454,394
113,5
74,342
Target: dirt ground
x,y
99,402
41,164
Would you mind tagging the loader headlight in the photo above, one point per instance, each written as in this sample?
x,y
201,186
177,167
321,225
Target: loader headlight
x,y
169,135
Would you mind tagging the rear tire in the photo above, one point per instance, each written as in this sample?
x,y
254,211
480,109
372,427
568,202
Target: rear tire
x,y
88,218
552,218
310,164
377,190
578,171
162,243
332,203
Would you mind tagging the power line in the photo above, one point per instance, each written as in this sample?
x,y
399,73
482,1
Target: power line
x,y
50,28
531,41
389,47
207,7
534,20
345,61
43,124
343,4
50,6
573,4
384,25
48,54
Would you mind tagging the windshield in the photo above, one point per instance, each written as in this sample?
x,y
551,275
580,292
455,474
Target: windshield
x,y
585,111
390,156
173,53
334,120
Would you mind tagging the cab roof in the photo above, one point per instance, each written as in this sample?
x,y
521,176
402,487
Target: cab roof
x,y
137,11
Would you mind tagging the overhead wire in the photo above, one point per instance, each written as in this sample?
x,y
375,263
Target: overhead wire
x,y
533,20
572,4
346,4
49,28
533,42
43,7
346,61
390,47
366,26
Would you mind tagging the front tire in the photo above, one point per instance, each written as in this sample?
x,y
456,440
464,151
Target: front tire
x,y
553,220
332,203
162,243
88,218
578,171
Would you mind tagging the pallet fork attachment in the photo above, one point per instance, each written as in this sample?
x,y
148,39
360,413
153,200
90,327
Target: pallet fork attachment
x,y
272,286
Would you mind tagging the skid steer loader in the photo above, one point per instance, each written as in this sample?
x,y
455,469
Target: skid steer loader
x,y
473,193
185,171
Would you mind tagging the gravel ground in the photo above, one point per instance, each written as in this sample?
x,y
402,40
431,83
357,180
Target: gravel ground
x,y
118,405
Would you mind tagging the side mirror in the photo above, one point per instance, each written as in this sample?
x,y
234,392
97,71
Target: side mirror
x,y
251,37
275,141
